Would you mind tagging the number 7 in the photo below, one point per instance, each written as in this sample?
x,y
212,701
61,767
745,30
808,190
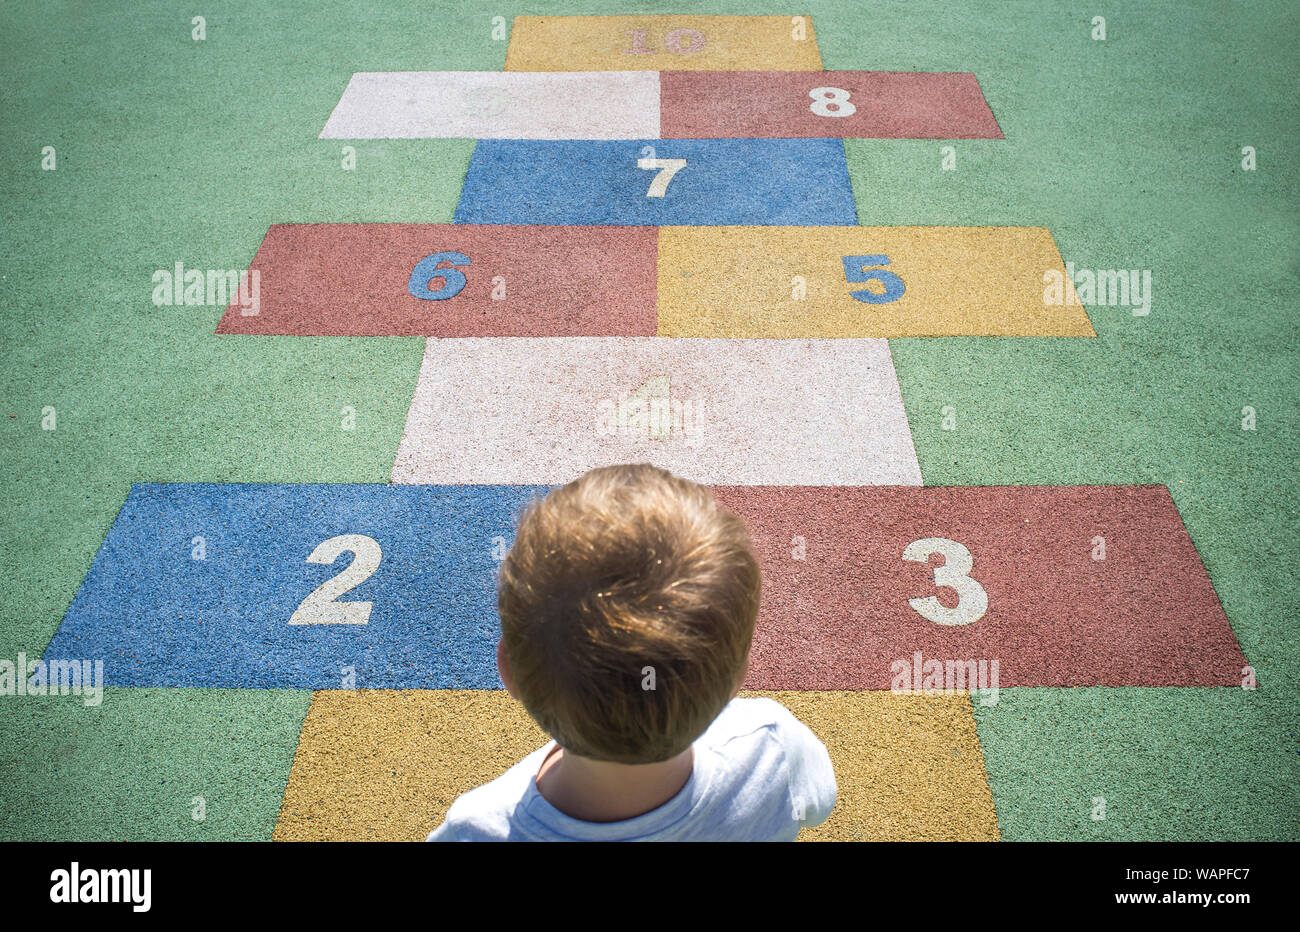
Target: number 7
x,y
667,168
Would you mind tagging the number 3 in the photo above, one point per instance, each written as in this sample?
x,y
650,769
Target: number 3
x,y
972,600
320,607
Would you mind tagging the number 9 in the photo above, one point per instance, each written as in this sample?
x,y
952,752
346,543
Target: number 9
x,y
453,280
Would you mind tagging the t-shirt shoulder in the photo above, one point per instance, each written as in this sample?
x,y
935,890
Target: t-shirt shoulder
x,y
757,766
487,811
813,790
742,717
810,775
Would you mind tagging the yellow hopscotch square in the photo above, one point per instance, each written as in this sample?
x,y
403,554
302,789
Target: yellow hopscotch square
x,y
908,768
663,43
387,764
792,282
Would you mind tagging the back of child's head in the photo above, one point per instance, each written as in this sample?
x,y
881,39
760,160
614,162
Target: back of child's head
x,y
627,609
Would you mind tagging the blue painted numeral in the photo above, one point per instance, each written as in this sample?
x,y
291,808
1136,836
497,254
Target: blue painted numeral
x,y
856,270
453,280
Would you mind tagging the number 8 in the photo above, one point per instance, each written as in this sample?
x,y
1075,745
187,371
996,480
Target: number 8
x,y
826,97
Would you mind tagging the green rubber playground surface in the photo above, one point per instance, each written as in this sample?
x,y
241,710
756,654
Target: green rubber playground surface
x,y
1129,150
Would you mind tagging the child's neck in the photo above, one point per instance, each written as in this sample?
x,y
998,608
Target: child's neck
x,y
601,791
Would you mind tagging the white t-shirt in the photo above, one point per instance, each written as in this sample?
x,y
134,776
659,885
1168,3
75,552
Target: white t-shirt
x,y
760,774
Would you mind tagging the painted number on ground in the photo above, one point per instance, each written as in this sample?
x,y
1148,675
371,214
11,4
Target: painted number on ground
x,y
972,600
667,169
321,606
862,269
831,102
427,270
865,269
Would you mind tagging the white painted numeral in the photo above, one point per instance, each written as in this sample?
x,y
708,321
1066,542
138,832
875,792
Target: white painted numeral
x,y
320,608
972,600
824,98
694,41
667,168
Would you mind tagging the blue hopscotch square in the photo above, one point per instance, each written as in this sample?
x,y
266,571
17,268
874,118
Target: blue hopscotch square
x,y
742,182
162,608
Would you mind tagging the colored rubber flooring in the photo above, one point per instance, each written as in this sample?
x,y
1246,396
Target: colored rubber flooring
x,y
983,323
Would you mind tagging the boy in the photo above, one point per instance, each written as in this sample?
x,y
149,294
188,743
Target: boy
x,y
627,608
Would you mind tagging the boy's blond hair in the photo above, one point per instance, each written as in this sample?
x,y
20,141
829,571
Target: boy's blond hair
x,y
624,569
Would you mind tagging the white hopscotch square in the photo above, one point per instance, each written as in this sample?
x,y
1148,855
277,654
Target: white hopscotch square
x,y
543,410
497,105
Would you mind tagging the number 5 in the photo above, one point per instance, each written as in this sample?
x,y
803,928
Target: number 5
x,y
320,607
855,270
667,168
972,600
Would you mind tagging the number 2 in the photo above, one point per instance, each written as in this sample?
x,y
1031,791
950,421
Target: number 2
x,y
667,169
972,600
320,607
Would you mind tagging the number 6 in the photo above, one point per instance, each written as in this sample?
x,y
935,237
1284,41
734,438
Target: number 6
x,y
972,600
453,280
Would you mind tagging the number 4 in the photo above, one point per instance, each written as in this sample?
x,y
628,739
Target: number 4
x,y
667,169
